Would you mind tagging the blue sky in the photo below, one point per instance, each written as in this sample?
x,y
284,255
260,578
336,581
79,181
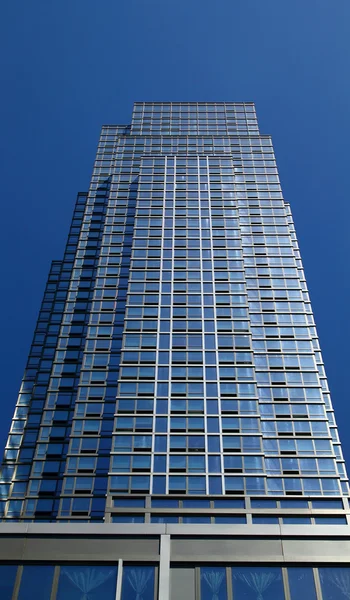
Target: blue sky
x,y
67,67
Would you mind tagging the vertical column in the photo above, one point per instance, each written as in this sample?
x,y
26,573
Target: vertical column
x,y
164,568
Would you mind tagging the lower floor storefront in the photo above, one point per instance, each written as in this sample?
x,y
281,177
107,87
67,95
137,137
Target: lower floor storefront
x,y
151,562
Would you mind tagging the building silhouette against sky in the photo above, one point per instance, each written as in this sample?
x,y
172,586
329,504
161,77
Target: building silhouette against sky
x,y
175,390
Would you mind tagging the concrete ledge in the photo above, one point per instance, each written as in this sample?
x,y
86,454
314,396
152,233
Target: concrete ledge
x,y
186,543
180,529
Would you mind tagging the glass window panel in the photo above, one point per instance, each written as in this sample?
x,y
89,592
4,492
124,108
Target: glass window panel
x,y
250,583
265,520
128,518
164,519
126,502
294,503
196,503
325,503
196,485
335,582
229,503
301,583
213,583
81,582
196,519
227,519
263,503
7,580
330,520
138,582
296,520
36,582
165,503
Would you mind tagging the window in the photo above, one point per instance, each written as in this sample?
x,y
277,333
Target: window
x,y
265,520
330,520
165,503
263,503
36,582
327,503
94,582
294,503
301,583
129,502
138,582
127,518
230,519
335,582
257,582
164,519
213,583
229,503
196,503
202,519
7,581
296,520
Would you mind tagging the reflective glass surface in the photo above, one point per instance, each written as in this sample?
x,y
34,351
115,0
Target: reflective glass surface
x,y
252,583
7,581
175,350
301,583
335,582
36,582
213,583
138,582
82,582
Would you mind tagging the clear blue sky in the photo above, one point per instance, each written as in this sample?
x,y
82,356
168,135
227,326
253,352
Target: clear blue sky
x,y
69,66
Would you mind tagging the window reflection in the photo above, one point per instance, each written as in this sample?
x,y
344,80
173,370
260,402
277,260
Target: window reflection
x,y
82,582
138,582
97,582
257,583
335,583
301,583
36,582
213,583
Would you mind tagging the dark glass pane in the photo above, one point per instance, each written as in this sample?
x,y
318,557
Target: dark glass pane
x,y
296,520
36,582
128,519
7,580
265,520
229,503
138,582
294,503
327,503
226,519
330,520
301,583
196,519
196,503
165,503
257,583
164,519
93,582
213,583
335,583
126,502
263,503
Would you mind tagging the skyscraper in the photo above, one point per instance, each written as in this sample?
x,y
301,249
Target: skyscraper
x,y
175,376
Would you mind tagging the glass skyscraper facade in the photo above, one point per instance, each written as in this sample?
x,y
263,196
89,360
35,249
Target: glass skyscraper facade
x,y
174,437
175,363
